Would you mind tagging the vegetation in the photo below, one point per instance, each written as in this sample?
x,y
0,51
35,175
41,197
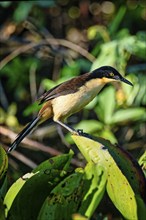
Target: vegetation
x,y
44,43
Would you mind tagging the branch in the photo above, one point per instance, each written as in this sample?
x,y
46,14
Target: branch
x,y
49,41
30,144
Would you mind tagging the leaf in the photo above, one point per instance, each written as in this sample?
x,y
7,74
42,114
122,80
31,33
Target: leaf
x,y
91,105
3,162
48,84
128,165
35,107
55,162
89,126
117,20
131,92
141,97
77,216
95,30
120,191
70,71
94,192
122,48
125,181
83,189
141,208
64,199
142,162
131,114
36,188
2,210
107,55
22,11
108,134
106,105
14,190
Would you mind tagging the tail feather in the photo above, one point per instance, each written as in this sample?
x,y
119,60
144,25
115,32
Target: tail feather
x,y
23,134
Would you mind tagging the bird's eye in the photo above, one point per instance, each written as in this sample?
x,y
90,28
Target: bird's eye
x,y
111,74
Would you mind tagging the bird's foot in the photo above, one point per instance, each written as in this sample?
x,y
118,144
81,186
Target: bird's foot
x,y
74,132
80,131
77,132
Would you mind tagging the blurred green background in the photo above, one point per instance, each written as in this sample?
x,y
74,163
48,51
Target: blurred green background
x,y
44,43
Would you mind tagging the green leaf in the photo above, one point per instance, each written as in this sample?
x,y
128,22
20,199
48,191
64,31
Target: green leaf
x,y
70,71
107,56
99,30
2,210
120,191
83,189
91,104
131,92
132,114
129,167
64,199
14,190
140,97
97,177
35,107
89,126
48,84
142,162
108,134
141,207
127,181
117,20
35,189
122,48
3,162
106,108
22,11
77,216
55,162
3,180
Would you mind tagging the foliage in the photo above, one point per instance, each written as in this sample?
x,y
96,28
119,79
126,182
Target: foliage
x,y
44,43
52,190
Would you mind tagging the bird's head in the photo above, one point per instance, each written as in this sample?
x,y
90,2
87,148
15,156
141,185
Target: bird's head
x,y
108,74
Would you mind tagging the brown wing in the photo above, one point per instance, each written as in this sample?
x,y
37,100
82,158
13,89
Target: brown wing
x,y
64,88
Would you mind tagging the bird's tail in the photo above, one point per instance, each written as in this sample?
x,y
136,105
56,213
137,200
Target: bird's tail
x,y
23,133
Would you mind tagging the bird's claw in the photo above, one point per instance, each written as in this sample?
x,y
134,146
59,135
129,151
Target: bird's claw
x,y
80,131
77,132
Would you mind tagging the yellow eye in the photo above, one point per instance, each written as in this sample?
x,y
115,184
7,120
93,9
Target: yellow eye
x,y
111,74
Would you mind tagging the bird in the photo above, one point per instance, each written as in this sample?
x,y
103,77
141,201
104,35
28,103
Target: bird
x,y
70,97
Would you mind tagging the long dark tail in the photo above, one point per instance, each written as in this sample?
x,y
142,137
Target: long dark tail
x,y
23,134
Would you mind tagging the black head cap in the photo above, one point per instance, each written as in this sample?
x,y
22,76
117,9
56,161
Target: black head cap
x,y
109,72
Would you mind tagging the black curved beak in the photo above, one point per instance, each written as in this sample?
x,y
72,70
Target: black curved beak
x,y
120,78
126,81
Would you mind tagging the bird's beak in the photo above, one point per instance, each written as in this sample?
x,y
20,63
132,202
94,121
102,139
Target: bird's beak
x,y
120,78
126,81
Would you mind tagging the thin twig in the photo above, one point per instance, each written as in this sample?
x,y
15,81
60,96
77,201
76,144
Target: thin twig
x,y
49,41
28,143
24,159
21,158
16,52
72,46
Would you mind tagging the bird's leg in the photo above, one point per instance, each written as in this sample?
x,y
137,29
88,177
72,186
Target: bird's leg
x,y
60,132
73,131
